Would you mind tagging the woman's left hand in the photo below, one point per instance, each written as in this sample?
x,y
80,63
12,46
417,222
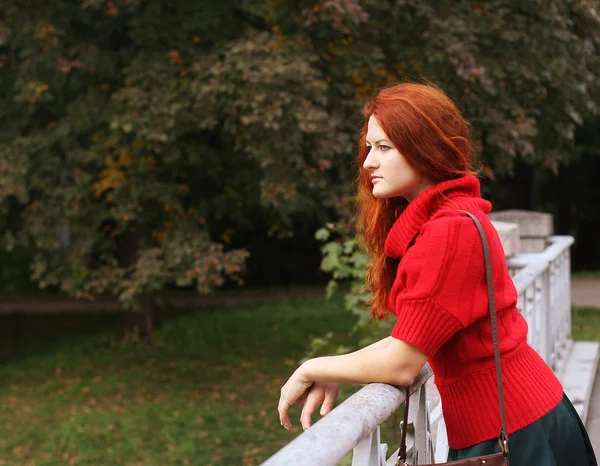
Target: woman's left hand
x,y
294,390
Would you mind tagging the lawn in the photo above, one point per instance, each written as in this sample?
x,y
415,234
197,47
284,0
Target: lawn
x,y
206,394
585,324
585,274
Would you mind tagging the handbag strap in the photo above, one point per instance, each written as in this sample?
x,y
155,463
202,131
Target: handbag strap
x,y
503,436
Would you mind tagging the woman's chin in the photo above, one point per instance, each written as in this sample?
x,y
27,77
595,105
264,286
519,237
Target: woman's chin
x,y
380,194
383,194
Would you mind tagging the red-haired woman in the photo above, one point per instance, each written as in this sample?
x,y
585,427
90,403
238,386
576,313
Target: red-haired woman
x,y
415,174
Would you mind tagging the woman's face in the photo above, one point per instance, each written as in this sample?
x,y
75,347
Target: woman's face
x,y
391,174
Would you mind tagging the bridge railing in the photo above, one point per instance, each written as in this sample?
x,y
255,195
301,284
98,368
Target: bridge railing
x,y
354,425
544,286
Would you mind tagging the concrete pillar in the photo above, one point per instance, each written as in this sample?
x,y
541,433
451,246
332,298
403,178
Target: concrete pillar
x,y
534,228
509,237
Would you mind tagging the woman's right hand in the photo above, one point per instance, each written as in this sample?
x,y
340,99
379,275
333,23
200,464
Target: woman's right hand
x,y
319,393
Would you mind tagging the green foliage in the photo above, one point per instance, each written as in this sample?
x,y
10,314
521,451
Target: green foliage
x,y
102,150
347,264
138,132
14,274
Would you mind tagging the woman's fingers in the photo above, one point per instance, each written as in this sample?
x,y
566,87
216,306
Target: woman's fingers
x,y
294,389
282,408
313,400
320,393
331,393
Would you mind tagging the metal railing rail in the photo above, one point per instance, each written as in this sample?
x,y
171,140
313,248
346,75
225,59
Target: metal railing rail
x,y
336,434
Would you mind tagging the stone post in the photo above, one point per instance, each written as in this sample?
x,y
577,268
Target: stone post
x,y
534,228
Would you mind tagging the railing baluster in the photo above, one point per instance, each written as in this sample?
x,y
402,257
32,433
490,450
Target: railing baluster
x,y
545,319
368,451
417,416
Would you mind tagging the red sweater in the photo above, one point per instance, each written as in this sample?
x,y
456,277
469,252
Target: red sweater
x,y
441,300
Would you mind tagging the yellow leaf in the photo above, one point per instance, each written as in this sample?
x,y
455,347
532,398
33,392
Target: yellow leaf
x,y
110,178
124,158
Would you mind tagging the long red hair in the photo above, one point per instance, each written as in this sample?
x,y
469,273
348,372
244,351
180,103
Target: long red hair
x,y
428,129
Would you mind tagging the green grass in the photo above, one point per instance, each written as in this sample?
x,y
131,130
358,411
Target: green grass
x,y
585,324
586,274
206,394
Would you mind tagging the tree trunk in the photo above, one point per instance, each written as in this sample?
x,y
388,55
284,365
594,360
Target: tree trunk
x,y
143,321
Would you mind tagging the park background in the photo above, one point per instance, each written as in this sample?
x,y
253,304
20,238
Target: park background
x,y
184,171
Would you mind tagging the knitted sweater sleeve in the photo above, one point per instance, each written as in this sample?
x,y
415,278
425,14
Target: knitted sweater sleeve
x,y
442,281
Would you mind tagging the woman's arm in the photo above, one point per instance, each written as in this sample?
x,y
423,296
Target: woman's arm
x,y
377,345
389,360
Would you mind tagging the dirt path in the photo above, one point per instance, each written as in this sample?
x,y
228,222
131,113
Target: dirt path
x,y
585,292
36,303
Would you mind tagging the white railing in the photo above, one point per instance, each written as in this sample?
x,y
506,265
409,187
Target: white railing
x,y
543,284
354,424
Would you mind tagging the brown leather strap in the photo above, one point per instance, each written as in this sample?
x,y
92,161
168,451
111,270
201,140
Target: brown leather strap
x,y
403,427
489,276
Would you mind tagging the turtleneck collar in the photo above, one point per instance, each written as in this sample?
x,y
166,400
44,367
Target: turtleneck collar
x,y
460,193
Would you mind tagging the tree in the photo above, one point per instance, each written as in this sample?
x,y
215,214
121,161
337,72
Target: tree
x,y
141,138
103,156
144,139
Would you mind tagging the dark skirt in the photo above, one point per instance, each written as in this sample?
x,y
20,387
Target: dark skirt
x,y
557,439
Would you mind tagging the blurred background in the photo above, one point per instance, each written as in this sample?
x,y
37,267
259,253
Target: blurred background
x,y
176,193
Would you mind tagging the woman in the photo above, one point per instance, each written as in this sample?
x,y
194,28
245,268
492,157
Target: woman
x,y
428,269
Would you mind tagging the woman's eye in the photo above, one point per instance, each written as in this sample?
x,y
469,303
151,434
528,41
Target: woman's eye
x,y
384,148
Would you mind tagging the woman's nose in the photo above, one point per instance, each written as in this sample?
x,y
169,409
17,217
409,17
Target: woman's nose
x,y
370,162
